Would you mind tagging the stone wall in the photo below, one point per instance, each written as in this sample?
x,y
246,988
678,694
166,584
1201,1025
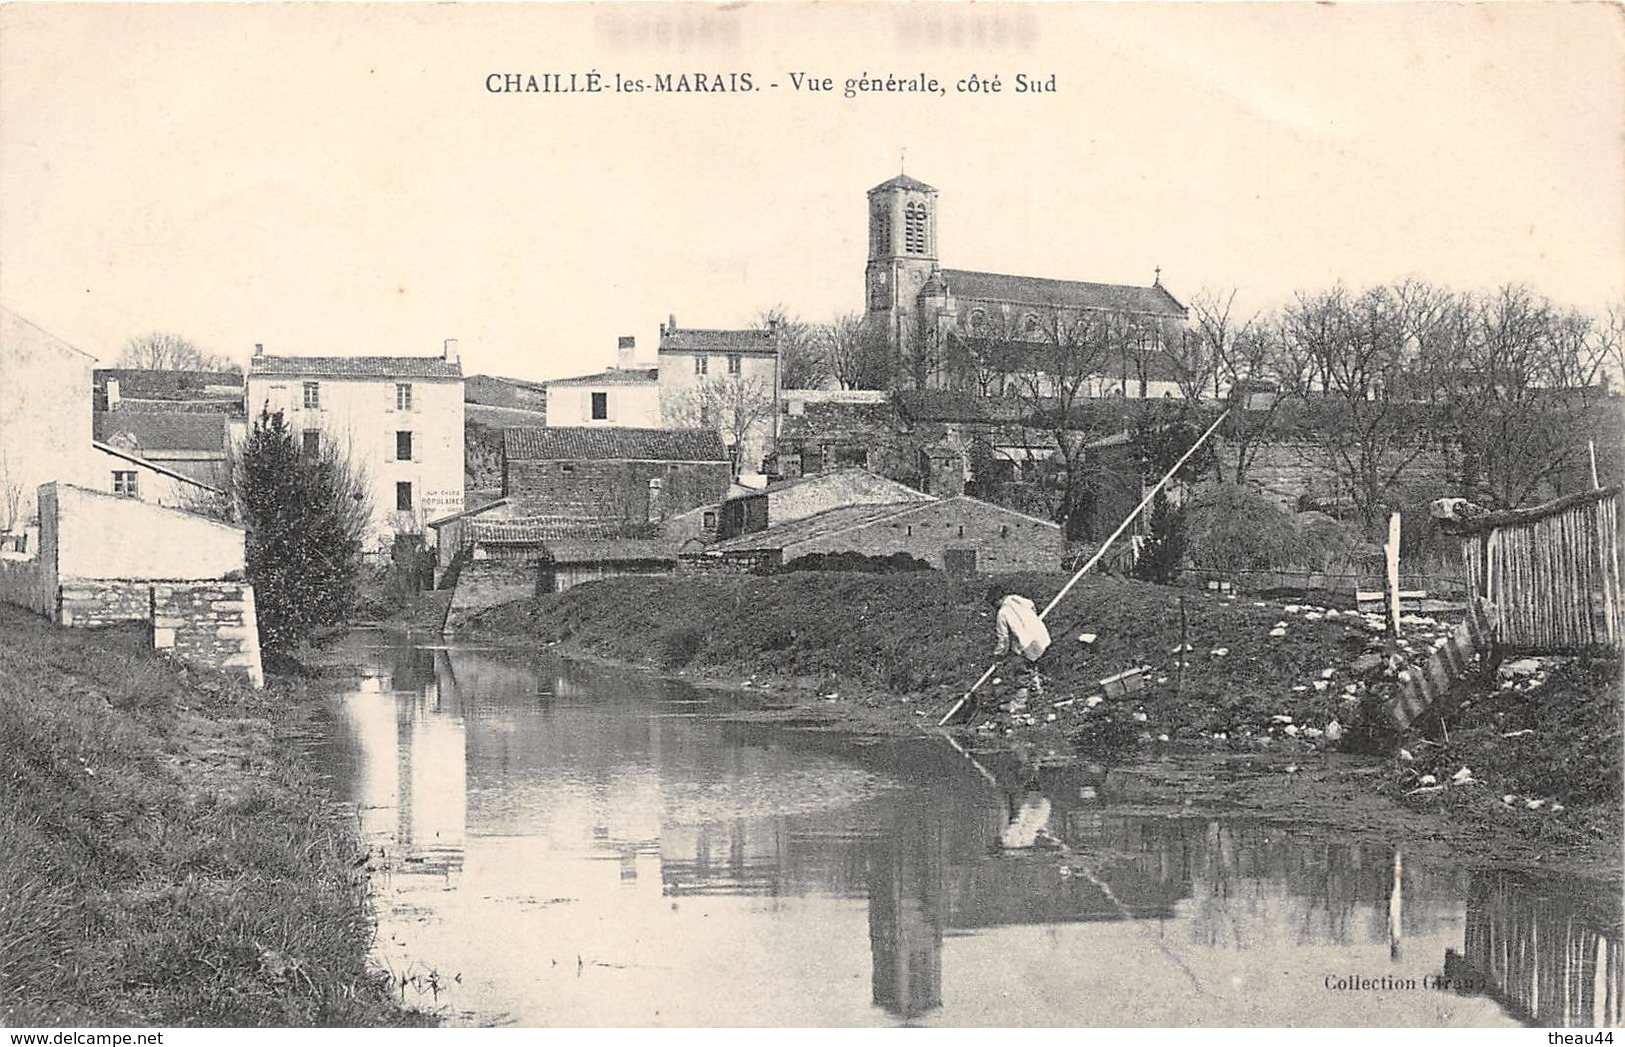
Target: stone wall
x,y
209,623
29,583
103,601
618,489
483,584
754,561
1001,540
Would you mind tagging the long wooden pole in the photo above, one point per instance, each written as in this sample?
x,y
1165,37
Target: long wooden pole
x,y
1200,440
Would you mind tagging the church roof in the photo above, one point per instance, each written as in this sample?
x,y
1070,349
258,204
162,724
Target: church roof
x,y
903,181
1068,294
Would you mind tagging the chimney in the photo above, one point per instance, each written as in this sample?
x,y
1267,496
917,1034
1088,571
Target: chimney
x,y
671,322
259,348
450,352
626,347
112,394
657,500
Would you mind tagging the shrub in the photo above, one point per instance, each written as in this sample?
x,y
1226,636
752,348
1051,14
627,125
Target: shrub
x,y
679,645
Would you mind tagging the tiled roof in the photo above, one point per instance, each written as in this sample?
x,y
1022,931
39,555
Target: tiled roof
x,y
581,443
356,366
807,528
700,340
1069,294
903,181
157,431
950,405
141,383
614,376
590,550
534,530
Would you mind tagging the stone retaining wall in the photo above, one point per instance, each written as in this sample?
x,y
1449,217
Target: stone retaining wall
x,y
209,623
90,604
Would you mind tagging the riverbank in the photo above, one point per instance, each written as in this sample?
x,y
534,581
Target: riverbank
x,y
1286,688
168,856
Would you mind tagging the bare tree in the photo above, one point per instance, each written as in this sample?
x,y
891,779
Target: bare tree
x,y
740,407
166,351
1053,375
802,364
1525,394
855,355
1346,356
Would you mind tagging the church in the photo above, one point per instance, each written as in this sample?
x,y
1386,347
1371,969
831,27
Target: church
x,y
984,332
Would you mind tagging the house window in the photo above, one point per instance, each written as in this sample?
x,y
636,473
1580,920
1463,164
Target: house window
x,y
567,467
127,484
313,395
600,407
702,365
312,442
403,497
733,363
705,416
708,519
403,396
403,445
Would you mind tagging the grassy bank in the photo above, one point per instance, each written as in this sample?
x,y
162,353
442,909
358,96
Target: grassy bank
x,y
166,855
1259,678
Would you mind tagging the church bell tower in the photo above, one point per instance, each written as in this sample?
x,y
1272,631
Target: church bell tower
x,y
902,253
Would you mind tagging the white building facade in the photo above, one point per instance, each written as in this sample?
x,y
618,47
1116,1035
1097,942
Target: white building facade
x,y
398,418
624,396
727,380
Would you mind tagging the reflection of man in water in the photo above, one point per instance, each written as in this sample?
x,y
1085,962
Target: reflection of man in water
x,y
1029,822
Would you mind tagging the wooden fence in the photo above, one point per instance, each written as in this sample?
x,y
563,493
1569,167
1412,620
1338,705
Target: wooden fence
x,y
1547,579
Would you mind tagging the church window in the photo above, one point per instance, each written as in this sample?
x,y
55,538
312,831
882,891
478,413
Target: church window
x,y
978,321
914,221
1029,324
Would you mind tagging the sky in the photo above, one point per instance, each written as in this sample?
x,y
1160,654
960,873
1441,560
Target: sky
x,y
330,179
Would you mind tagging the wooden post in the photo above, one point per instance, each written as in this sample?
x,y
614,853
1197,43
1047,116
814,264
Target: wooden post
x,y
1179,664
1391,551
1591,447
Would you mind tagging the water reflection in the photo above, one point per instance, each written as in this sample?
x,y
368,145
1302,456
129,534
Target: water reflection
x,y
595,848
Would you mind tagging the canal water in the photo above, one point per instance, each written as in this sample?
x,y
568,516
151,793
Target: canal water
x,y
579,846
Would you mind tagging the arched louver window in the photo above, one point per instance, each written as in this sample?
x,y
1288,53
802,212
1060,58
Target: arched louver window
x,y
880,229
914,220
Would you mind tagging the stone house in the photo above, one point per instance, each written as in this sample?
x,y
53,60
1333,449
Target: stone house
x,y
398,418
629,477
821,430
726,380
962,535
625,395
45,418
129,475
193,443
749,511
